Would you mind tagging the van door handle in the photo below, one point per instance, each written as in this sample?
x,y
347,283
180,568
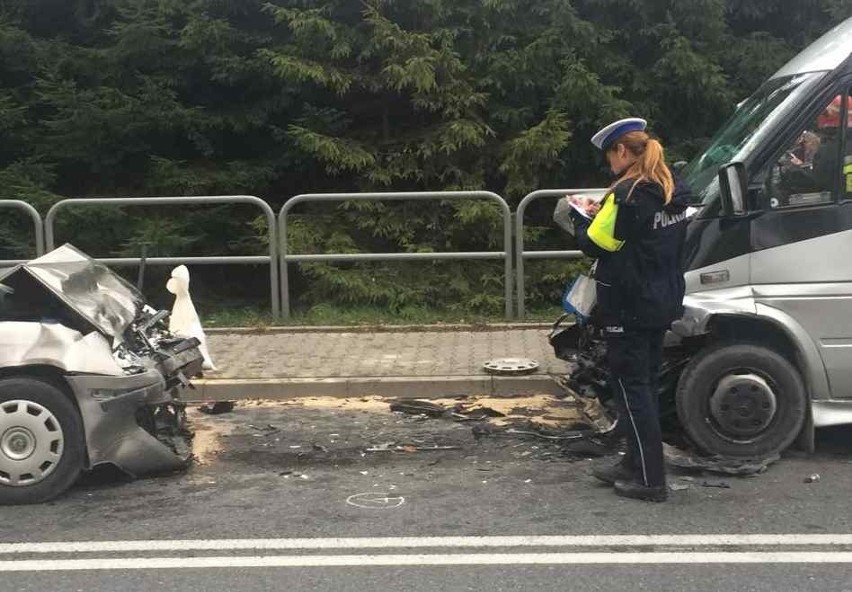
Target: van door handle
x,y
715,277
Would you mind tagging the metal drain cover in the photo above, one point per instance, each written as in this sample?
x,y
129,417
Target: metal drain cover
x,y
510,366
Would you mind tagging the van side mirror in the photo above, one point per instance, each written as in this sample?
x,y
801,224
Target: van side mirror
x,y
733,187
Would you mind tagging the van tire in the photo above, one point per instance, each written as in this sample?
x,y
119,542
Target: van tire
x,y
67,439
699,392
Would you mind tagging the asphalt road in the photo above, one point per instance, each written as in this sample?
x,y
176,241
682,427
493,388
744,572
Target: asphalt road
x,y
493,579
272,475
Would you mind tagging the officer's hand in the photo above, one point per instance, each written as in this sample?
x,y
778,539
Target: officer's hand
x,y
587,204
593,207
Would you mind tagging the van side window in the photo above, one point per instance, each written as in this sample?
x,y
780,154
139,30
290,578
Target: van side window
x,y
806,173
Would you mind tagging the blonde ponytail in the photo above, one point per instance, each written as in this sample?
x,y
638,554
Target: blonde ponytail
x,y
650,163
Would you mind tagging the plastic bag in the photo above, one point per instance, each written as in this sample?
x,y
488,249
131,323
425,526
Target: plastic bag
x,y
562,216
184,321
580,298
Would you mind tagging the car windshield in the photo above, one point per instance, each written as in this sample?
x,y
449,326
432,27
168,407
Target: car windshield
x,y
89,287
745,130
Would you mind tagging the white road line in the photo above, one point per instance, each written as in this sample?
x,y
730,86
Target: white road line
x,y
137,563
389,543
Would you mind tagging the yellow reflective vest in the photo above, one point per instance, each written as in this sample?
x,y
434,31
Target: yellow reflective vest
x,y
602,229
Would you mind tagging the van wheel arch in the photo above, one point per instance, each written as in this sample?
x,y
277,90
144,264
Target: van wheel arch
x,y
758,331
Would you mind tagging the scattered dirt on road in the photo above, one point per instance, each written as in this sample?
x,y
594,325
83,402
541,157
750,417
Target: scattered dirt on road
x,y
207,443
372,404
542,410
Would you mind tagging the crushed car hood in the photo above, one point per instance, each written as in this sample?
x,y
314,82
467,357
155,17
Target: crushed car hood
x,y
100,297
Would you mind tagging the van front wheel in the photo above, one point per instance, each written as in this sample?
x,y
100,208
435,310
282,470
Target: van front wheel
x,y
741,400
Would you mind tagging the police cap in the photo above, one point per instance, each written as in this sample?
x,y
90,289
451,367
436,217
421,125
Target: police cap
x,y
606,136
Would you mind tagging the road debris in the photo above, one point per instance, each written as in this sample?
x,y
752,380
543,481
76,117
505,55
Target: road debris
x,y
417,407
590,447
715,464
510,366
543,436
716,484
812,478
217,407
393,447
474,413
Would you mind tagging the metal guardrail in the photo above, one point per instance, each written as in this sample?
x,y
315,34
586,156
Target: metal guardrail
x,y
286,257
521,255
279,281
272,258
37,224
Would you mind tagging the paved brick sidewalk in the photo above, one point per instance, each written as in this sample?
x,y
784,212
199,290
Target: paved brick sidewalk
x,y
314,355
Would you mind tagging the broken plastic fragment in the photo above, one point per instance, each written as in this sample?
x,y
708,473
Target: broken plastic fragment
x,y
418,408
217,408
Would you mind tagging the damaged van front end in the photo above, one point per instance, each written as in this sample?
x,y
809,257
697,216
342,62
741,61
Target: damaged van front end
x,y
739,379
763,353
89,376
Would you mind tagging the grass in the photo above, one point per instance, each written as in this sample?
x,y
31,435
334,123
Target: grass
x,y
331,315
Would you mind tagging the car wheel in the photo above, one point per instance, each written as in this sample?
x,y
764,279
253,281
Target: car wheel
x,y
42,445
741,400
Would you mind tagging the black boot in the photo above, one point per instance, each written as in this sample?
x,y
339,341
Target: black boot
x,y
635,490
620,471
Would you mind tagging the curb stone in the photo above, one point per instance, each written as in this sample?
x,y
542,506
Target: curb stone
x,y
410,387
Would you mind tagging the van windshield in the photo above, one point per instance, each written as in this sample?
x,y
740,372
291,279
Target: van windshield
x,y
747,128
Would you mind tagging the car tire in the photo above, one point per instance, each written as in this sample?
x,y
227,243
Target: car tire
x,y
42,443
741,400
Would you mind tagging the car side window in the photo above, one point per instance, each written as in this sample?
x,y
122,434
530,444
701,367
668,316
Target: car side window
x,y
806,173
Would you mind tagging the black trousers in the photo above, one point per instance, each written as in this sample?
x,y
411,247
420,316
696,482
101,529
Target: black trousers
x,y
634,357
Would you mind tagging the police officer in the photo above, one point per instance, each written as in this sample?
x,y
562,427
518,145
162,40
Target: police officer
x,y
637,237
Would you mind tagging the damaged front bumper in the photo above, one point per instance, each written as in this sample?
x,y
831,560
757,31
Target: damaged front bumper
x,y
584,348
133,422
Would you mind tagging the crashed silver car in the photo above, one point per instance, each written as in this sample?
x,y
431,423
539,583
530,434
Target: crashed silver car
x,y
89,376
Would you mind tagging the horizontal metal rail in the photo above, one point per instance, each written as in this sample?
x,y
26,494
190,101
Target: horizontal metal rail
x,y
521,255
395,256
234,260
271,259
552,254
285,256
34,215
